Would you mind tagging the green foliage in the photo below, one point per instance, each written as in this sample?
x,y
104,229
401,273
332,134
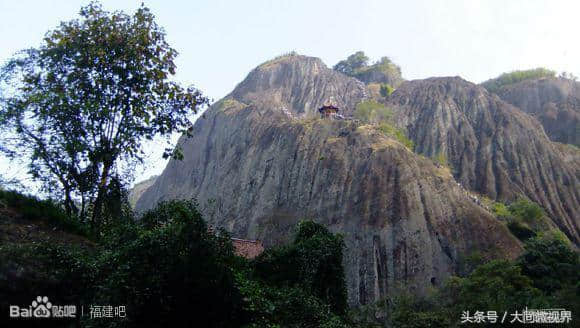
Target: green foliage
x,y
169,270
388,129
545,276
501,210
63,272
386,90
374,112
312,262
172,266
441,158
526,210
493,85
283,306
524,218
409,312
81,104
297,285
520,229
386,66
383,70
497,285
49,211
353,64
550,262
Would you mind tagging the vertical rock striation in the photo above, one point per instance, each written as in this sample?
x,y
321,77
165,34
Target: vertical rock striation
x,y
493,147
259,161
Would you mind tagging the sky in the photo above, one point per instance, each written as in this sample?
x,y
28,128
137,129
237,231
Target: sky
x,y
220,42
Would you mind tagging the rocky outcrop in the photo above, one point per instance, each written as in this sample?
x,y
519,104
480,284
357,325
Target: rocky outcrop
x,y
258,163
555,102
299,85
139,188
388,73
493,148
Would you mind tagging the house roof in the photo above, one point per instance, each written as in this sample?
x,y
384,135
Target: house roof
x,y
326,107
247,248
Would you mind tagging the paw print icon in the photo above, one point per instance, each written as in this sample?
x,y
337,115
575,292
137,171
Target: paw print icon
x,y
41,307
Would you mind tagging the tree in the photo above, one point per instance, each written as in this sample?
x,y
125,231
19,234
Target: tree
x,y
352,64
312,262
550,262
497,285
172,271
80,105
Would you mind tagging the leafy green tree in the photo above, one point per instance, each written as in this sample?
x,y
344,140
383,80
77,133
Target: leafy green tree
x,y
80,105
550,262
497,285
352,64
173,272
313,262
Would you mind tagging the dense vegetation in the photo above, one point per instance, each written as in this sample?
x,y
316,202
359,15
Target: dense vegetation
x,y
531,281
524,218
497,83
83,102
382,71
373,112
170,271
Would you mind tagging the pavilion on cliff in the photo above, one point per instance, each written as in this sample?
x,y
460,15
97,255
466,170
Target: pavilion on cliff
x,y
328,110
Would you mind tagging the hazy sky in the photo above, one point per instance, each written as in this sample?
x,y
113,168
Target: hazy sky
x,y
221,41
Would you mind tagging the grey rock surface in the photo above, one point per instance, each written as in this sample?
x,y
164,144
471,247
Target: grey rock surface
x,y
258,163
493,147
555,102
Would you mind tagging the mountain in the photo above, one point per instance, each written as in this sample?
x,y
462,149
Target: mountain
x,y
555,102
139,188
493,148
261,159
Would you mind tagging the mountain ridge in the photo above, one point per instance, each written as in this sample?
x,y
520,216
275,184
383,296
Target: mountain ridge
x,y
261,159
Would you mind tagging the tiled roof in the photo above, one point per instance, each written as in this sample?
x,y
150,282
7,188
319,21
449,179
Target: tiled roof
x,y
247,248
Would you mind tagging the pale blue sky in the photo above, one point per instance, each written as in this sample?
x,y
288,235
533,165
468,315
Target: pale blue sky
x,y
221,41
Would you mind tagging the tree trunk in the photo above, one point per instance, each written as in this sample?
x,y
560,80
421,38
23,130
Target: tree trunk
x,y
97,210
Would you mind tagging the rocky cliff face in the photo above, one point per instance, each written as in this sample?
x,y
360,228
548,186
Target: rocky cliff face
x,y
555,102
298,86
493,148
257,164
139,188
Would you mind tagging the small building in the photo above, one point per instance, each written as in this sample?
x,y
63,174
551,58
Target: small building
x,y
247,248
243,247
328,111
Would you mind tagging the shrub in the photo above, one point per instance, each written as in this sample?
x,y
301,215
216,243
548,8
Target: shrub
x,y
550,262
371,111
49,211
497,285
521,230
398,134
312,262
376,113
386,90
167,269
173,267
493,85
525,219
441,158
